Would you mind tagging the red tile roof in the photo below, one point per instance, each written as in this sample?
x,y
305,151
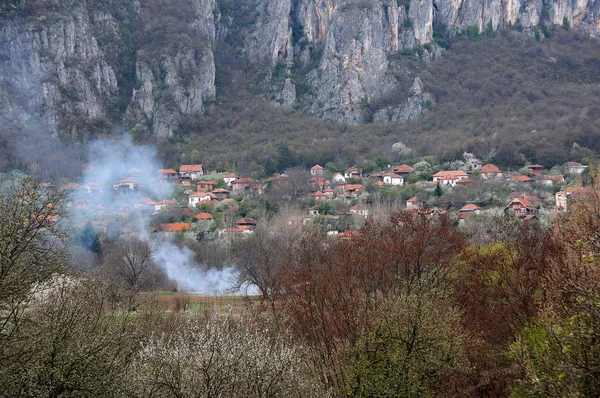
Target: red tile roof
x,y
317,167
520,179
450,175
175,227
166,171
246,221
190,168
490,168
403,168
204,216
470,207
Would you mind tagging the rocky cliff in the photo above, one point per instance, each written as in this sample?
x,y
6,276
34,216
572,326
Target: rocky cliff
x,y
146,64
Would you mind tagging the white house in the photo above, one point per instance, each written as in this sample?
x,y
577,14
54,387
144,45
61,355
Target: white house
x,y
393,179
338,178
191,171
229,178
449,177
574,168
197,197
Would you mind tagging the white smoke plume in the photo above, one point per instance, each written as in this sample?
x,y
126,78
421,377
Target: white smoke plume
x,y
113,160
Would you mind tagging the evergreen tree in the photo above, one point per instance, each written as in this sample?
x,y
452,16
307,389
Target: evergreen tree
x,y
438,190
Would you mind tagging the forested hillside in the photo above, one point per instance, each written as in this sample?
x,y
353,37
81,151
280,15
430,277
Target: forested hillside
x,y
246,85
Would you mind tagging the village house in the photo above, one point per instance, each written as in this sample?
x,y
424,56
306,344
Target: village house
x,y
353,172
360,210
353,189
338,178
562,198
574,168
393,179
329,193
520,207
164,203
175,227
247,223
128,184
520,179
198,197
535,169
167,175
203,217
413,203
206,185
92,187
190,172
221,193
319,196
449,177
242,185
549,181
145,204
316,170
466,211
474,164
319,183
229,178
490,171
403,170
314,211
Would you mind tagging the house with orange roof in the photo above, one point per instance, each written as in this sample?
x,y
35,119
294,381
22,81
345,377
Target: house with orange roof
x,y
242,185
221,193
206,185
449,177
175,227
490,171
353,189
413,202
535,169
127,184
229,178
520,179
92,187
197,197
329,193
167,175
466,211
316,170
403,170
246,222
203,217
393,179
319,196
190,172
520,207
353,172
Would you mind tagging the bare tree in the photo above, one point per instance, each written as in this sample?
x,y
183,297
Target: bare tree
x,y
129,264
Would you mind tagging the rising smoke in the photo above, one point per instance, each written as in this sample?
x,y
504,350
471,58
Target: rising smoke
x,y
119,158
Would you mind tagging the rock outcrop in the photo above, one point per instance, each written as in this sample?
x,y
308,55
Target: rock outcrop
x,y
419,103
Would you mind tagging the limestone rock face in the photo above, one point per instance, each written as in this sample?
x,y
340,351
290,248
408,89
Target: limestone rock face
x,y
84,61
56,70
78,62
419,103
178,82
